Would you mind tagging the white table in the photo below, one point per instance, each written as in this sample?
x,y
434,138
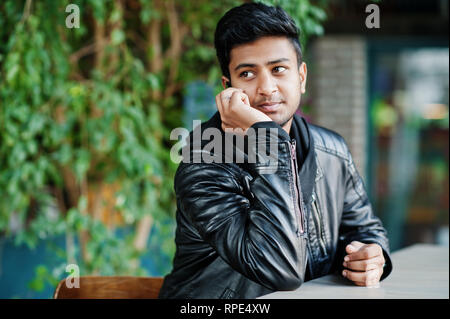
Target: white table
x,y
420,272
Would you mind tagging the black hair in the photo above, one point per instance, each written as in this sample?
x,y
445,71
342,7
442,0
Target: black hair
x,y
249,22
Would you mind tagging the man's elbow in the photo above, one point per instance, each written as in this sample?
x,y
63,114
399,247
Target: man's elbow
x,y
292,282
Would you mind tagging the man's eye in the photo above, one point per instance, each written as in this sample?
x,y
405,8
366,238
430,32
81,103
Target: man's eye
x,y
246,74
279,69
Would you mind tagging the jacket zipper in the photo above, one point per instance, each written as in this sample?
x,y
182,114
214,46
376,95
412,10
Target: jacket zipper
x,y
298,211
318,218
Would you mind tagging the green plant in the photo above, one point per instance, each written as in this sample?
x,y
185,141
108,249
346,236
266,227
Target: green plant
x,y
82,148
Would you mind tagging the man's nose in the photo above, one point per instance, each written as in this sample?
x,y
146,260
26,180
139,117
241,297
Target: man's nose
x,y
267,85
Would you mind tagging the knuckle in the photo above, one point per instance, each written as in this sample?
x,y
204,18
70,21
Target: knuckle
x,y
378,273
375,280
372,275
376,248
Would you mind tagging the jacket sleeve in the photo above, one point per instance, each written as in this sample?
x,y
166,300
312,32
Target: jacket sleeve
x,y
359,222
251,225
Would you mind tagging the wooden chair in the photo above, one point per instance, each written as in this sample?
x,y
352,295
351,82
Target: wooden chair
x,y
114,287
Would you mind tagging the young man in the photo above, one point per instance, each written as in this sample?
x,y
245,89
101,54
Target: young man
x,y
244,230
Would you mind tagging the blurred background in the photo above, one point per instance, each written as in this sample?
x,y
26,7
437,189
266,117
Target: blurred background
x,y
86,113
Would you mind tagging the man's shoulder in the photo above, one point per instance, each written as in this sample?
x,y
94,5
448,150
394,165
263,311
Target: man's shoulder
x,y
329,141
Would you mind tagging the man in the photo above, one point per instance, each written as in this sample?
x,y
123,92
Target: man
x,y
244,230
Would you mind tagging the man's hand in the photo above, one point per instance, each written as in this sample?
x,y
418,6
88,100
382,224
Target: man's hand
x,y
364,263
235,110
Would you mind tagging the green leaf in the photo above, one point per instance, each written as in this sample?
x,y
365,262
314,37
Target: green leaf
x,y
82,163
115,16
12,72
82,204
153,81
196,31
117,36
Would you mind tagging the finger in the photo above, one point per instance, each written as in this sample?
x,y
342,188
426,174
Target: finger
x,y
354,276
354,246
219,104
367,277
224,98
237,98
366,252
225,95
370,282
365,265
245,100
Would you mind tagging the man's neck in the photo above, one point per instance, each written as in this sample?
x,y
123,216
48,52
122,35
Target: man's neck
x,y
288,125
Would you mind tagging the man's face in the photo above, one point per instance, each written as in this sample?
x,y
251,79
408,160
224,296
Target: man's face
x,y
267,71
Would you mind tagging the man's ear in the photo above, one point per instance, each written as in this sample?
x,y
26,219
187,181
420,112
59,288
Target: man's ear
x,y
303,72
225,82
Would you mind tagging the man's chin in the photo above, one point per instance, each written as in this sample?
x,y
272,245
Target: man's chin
x,y
282,121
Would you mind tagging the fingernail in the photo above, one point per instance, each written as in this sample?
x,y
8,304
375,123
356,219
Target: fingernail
x,y
344,264
351,247
344,273
346,258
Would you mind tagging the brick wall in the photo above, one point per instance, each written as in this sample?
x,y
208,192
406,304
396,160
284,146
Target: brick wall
x,y
337,84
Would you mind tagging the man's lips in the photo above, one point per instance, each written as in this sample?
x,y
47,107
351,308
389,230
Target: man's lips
x,y
269,106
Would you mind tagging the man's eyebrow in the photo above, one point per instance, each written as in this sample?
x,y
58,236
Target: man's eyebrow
x,y
251,65
277,61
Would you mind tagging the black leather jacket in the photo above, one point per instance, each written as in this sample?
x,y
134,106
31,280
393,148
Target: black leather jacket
x,y
243,232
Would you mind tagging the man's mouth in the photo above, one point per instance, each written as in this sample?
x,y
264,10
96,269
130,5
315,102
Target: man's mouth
x,y
269,106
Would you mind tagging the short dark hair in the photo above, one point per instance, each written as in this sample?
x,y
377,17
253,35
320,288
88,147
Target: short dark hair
x,y
249,22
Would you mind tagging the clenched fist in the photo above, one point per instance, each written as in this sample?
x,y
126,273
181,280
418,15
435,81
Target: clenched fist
x,y
235,110
364,263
